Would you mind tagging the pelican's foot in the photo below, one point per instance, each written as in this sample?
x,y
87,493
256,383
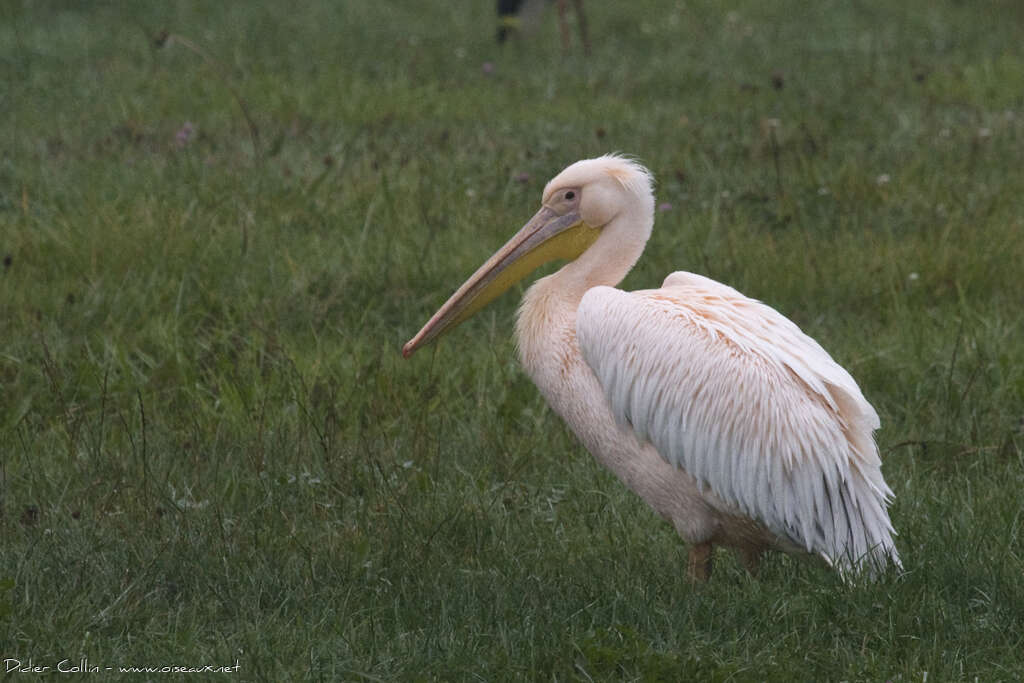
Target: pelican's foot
x,y
698,569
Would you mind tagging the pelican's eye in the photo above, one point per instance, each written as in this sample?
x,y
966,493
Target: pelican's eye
x,y
564,200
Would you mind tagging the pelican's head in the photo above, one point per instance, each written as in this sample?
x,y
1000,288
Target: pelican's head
x,y
578,206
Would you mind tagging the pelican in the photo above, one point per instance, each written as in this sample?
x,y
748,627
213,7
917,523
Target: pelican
x,y
731,423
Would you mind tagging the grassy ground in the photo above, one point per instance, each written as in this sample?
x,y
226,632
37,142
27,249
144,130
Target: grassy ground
x,y
219,222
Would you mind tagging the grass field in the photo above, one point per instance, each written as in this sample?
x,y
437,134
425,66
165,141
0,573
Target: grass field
x,y
220,221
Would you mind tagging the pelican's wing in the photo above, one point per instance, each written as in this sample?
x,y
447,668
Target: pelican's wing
x,y
734,393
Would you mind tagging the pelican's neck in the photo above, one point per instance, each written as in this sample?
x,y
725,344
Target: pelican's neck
x,y
608,260
546,322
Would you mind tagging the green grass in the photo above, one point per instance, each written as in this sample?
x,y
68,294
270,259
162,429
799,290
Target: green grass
x,y
211,450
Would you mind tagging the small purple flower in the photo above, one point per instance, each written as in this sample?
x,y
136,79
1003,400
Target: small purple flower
x,y
665,206
185,134
523,177
488,67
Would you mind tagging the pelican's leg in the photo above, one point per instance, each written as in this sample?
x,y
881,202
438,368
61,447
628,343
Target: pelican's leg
x,y
750,558
699,568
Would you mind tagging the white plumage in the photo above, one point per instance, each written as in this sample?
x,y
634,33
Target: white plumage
x,y
727,419
734,393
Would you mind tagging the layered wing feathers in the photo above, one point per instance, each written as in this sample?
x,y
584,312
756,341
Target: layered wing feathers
x,y
734,393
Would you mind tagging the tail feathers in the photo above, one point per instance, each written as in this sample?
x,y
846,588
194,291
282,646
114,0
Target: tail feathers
x,y
870,552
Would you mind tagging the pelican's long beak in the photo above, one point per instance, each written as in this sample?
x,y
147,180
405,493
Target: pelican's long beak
x,y
546,237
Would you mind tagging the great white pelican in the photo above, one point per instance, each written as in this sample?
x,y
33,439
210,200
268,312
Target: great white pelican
x,y
734,425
